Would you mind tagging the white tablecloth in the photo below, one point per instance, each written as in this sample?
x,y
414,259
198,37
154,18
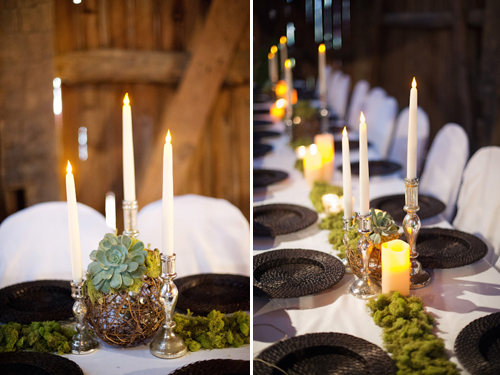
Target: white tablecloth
x,y
455,297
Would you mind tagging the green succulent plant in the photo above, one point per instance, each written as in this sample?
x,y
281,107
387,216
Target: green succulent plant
x,y
382,225
117,262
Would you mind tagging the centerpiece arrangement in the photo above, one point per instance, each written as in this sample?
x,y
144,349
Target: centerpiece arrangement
x,y
123,287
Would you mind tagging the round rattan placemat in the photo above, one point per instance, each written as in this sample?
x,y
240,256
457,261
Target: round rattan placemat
x,y
215,367
447,248
478,346
394,204
36,301
271,220
31,363
325,353
261,123
205,292
289,273
260,149
266,177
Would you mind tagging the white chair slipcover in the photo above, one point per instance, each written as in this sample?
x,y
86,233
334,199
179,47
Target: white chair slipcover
x,y
398,148
445,165
332,91
343,87
372,104
210,235
479,200
381,129
34,242
358,96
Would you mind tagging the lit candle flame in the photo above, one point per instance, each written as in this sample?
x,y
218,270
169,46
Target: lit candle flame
x,y
344,132
283,40
288,63
69,169
168,138
313,149
362,118
126,100
270,55
302,151
274,49
280,103
414,83
321,48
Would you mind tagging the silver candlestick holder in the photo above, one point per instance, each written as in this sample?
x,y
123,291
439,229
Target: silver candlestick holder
x,y
419,277
324,115
366,286
82,342
288,124
347,225
130,218
167,344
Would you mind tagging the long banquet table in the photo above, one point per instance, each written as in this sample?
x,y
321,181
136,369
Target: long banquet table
x,y
455,297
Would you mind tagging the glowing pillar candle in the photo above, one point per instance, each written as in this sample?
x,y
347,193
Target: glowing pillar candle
x,y
273,67
312,166
322,72
346,175
281,90
277,109
331,203
74,230
283,51
411,165
168,199
289,83
128,152
364,189
110,210
396,267
324,142
300,152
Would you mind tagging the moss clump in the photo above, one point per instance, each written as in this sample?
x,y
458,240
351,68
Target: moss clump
x,y
299,165
407,334
47,337
215,331
321,188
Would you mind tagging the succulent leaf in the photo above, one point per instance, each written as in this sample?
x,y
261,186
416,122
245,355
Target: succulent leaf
x,y
125,241
105,244
116,281
93,254
132,266
137,247
110,237
127,279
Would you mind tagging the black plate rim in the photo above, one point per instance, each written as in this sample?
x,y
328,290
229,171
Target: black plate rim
x,y
231,365
306,214
262,149
377,360
473,242
438,205
8,314
392,167
334,272
278,176
260,134
203,308
467,345
52,363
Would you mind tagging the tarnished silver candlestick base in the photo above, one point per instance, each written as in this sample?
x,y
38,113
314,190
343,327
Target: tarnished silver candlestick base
x,y
82,342
366,286
167,344
288,124
419,277
130,218
347,225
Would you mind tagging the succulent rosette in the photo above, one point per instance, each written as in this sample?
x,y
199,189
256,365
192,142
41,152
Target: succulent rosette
x,y
383,227
117,262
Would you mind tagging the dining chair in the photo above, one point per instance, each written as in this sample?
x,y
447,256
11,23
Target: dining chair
x,y
372,104
358,96
332,91
210,235
34,242
445,165
343,88
380,130
399,144
478,202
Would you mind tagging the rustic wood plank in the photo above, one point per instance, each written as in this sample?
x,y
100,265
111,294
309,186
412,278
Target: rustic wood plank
x,y
117,65
188,112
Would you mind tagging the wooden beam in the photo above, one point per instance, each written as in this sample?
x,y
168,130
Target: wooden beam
x,y
188,112
133,66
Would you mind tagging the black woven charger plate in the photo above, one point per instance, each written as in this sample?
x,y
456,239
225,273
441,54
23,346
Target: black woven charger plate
x,y
36,301
205,292
290,273
261,123
266,177
271,220
376,167
394,204
261,111
478,346
215,367
31,363
325,353
260,149
447,248
259,134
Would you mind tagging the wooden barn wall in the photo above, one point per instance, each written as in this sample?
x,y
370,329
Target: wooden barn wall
x,y
221,166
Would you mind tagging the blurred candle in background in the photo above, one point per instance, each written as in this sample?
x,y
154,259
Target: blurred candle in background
x,y
346,175
283,51
325,145
312,166
322,74
128,152
364,176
